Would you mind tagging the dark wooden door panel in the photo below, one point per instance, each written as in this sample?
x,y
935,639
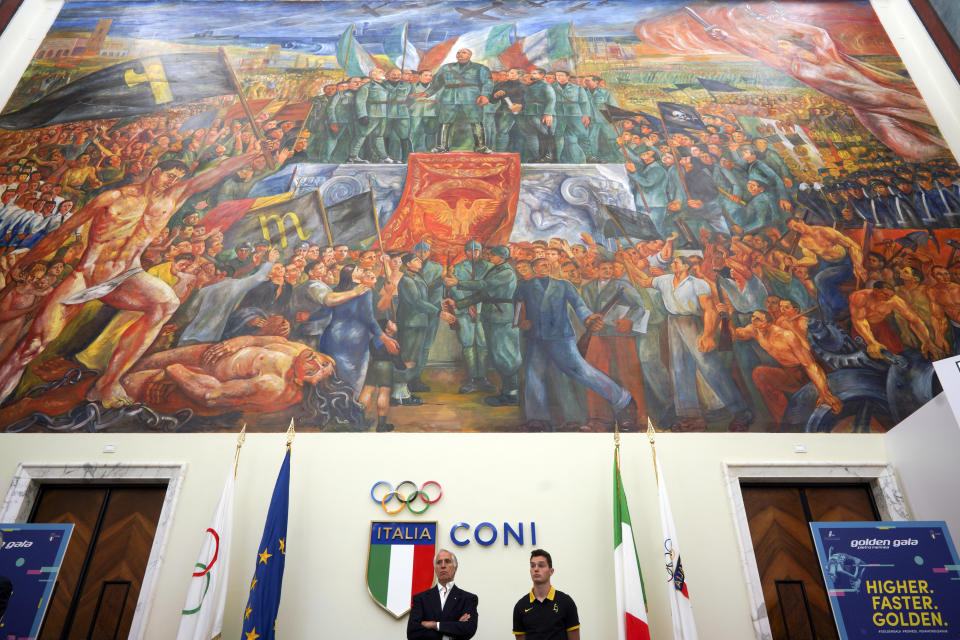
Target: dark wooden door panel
x,y
126,534
81,507
779,517
99,584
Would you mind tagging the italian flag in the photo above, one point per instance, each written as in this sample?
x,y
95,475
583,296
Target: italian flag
x,y
540,49
631,603
399,568
352,57
202,614
684,627
486,44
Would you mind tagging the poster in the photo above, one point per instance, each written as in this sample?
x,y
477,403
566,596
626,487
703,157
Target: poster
x,y
890,579
30,557
176,259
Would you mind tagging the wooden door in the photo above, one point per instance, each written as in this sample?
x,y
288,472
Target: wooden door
x,y
779,517
99,583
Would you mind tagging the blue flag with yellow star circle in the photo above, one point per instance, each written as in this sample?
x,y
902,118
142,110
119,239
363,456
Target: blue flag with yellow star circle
x,y
260,614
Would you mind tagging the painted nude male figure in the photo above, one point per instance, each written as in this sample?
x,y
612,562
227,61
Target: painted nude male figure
x,y
122,223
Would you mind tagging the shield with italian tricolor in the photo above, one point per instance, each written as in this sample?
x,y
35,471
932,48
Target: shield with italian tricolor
x,y
400,562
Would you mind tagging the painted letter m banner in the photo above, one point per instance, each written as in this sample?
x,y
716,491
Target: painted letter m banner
x,y
400,562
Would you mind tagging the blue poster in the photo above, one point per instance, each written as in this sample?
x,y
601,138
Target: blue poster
x,y
890,579
30,557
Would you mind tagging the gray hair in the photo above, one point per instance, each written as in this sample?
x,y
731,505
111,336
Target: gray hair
x,y
452,555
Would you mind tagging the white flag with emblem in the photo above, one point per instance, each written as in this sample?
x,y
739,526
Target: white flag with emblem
x,y
684,627
202,615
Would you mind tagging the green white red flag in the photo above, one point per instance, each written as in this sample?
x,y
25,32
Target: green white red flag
x,y
202,614
631,602
684,627
486,44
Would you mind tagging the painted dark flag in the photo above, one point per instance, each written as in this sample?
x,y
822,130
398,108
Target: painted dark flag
x,y
717,87
284,225
616,113
260,614
135,87
678,118
685,85
634,225
655,123
351,220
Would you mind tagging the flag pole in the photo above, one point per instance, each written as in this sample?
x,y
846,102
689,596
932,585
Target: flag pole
x,y
246,108
403,56
376,216
323,214
652,437
291,432
240,439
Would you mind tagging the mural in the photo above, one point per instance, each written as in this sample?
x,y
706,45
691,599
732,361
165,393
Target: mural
x,y
472,216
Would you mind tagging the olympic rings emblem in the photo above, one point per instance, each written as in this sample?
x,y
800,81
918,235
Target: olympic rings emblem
x,y
406,499
205,573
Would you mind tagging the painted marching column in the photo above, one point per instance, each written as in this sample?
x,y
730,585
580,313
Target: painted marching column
x,y
202,614
681,611
631,602
260,613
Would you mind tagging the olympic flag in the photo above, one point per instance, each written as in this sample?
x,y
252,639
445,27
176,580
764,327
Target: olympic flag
x,y
631,603
684,627
202,615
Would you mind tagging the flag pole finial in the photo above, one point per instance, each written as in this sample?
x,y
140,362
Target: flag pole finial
x,y
241,437
291,432
651,431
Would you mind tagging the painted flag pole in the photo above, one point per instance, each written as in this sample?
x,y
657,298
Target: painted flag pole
x,y
246,109
631,602
202,615
684,627
323,212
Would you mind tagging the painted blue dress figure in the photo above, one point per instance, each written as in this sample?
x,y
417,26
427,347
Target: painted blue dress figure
x,y
352,327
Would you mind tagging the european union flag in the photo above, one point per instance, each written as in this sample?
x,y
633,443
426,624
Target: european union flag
x,y
260,614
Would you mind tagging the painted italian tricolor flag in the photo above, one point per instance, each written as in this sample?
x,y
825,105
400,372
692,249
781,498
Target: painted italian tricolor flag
x,y
486,45
540,49
400,562
631,603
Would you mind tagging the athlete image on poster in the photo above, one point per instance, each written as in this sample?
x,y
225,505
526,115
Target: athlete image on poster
x,y
30,557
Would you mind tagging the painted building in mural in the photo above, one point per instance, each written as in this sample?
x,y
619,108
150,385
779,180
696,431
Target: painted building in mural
x,y
496,217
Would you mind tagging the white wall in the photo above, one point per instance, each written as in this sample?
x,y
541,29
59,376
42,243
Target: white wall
x,y
563,482
923,449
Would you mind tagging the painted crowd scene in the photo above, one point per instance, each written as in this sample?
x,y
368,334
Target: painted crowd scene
x,y
479,216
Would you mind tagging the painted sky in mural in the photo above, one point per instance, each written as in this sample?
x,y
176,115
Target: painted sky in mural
x,y
472,216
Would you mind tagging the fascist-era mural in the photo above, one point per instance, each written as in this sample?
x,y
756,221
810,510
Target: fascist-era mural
x,y
528,215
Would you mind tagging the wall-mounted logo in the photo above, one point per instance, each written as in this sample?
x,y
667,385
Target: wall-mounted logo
x,y
407,494
400,562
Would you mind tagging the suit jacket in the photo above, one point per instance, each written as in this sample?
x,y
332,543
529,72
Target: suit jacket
x,y
426,606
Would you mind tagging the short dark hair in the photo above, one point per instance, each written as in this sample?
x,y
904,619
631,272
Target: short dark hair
x,y
167,165
542,554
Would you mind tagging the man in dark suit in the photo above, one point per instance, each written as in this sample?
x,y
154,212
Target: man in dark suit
x,y
443,612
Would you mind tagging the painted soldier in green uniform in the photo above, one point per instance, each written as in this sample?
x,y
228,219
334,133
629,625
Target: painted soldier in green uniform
x,y
424,115
470,330
494,294
317,124
396,136
601,136
573,118
372,119
536,118
432,274
463,89
342,118
414,315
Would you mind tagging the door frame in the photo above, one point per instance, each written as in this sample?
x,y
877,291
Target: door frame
x,y
25,488
878,475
